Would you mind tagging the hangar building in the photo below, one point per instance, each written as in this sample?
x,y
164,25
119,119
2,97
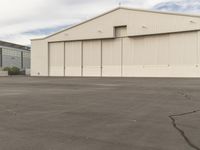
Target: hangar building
x,y
123,42
14,55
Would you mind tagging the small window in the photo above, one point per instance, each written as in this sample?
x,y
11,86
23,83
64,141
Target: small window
x,y
120,31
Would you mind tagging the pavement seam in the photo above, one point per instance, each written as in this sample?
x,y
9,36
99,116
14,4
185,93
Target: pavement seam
x,y
188,141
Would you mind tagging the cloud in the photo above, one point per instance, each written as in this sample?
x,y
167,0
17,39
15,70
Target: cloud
x,y
190,6
21,20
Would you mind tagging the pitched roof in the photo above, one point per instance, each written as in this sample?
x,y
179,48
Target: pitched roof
x,y
12,45
124,8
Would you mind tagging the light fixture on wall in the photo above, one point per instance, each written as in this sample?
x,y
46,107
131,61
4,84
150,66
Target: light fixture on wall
x,y
99,31
191,21
144,27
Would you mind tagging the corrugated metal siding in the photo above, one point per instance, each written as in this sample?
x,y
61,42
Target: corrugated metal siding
x,y
145,52
167,55
92,58
26,59
0,57
183,49
11,58
56,59
39,58
73,58
137,22
111,57
128,57
163,50
158,55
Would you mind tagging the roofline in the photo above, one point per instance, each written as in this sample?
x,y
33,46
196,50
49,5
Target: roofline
x,y
121,7
78,24
162,12
13,45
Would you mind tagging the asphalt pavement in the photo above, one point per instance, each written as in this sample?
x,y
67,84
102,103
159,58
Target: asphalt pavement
x,y
99,113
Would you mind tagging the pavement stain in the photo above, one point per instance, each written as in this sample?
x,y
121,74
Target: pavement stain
x,y
185,94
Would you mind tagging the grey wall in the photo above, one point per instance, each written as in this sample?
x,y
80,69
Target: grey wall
x,y
26,60
0,57
11,61
15,57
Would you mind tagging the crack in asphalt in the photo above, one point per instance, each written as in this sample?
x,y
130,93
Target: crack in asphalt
x,y
188,141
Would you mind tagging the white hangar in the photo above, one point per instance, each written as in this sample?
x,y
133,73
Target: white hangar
x,y
123,42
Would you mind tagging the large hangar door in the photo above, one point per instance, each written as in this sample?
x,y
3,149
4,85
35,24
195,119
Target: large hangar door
x,y
56,59
184,54
146,56
183,49
112,57
73,59
92,58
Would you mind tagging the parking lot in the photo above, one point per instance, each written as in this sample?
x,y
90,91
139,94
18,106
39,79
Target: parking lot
x,y
99,114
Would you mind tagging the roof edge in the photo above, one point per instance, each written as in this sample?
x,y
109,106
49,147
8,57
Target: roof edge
x,y
78,24
14,45
117,8
161,12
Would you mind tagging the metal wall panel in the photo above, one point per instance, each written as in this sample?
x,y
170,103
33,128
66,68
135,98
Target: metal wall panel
x,y
128,57
39,58
11,58
156,50
145,52
163,50
112,57
1,57
184,54
73,58
26,60
92,58
169,55
137,22
183,48
56,59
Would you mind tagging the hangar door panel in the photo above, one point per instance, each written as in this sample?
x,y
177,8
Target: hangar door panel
x,y
145,56
128,57
183,49
56,59
111,57
146,51
73,58
156,50
92,58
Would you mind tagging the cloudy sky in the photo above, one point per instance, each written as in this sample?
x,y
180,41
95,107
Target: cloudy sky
x,y
22,20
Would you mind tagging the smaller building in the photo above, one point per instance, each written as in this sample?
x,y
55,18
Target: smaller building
x,y
14,55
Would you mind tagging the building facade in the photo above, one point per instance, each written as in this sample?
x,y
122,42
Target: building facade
x,y
14,55
123,42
